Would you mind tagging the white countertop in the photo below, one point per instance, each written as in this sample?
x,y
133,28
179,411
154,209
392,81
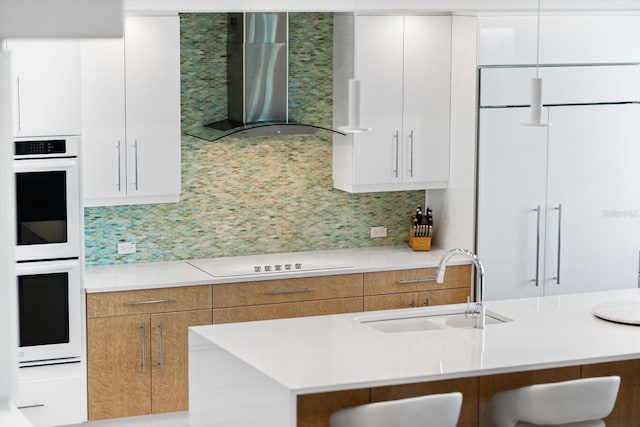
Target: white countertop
x,y
124,277
328,353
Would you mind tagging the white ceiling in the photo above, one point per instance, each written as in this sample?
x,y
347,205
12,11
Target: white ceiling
x,y
473,7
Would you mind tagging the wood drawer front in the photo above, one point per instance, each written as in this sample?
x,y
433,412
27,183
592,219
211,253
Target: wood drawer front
x,y
287,310
416,299
444,296
287,290
161,300
390,301
419,279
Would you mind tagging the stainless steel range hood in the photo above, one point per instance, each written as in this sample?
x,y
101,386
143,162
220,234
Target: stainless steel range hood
x,y
257,80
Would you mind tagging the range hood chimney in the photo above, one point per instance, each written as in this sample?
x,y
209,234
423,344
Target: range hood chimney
x,y
257,80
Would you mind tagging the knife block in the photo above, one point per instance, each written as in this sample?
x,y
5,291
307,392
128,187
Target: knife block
x,y
418,243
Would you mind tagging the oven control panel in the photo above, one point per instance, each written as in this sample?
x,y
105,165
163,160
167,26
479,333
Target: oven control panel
x,y
39,147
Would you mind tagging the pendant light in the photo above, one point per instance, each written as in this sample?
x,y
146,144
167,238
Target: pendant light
x,y
535,113
354,100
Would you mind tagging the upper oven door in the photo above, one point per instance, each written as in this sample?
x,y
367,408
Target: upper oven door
x,y
47,208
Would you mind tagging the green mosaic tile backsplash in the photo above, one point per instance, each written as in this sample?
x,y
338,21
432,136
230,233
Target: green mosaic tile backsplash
x,y
244,196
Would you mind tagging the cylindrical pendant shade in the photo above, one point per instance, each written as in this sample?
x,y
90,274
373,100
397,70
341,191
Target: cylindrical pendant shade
x,y
354,104
353,113
536,100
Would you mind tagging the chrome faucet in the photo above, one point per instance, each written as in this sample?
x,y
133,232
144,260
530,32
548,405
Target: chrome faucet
x,y
479,312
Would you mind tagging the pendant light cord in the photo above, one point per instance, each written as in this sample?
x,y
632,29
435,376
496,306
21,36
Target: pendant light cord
x,y
537,41
355,36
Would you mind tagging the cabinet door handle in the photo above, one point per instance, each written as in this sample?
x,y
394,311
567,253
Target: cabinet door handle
x,y
119,167
35,405
152,301
537,278
426,302
135,165
411,153
19,103
412,304
161,346
396,137
143,333
559,209
406,282
291,291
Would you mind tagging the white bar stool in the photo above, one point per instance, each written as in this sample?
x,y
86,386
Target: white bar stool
x,y
576,403
436,410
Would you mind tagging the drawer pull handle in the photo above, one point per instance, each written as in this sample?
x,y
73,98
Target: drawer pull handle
x,y
406,282
35,405
161,346
152,301
292,291
143,333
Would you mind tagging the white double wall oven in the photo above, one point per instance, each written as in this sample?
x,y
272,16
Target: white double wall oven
x,y
48,221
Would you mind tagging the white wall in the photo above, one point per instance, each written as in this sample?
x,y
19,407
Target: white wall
x,y
454,208
8,298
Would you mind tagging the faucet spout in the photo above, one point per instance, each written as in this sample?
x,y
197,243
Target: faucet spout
x,y
479,311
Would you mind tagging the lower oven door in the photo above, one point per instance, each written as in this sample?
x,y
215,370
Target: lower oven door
x,y
49,311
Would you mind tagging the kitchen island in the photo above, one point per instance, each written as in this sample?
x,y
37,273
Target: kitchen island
x,y
259,373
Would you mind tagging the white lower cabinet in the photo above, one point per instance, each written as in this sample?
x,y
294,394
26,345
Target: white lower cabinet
x,y
131,114
52,395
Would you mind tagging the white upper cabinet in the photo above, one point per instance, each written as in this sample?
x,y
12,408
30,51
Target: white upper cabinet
x,y
427,86
403,64
563,39
103,121
131,114
46,91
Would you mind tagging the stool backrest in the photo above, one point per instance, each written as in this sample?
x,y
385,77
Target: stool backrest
x,y
585,400
436,410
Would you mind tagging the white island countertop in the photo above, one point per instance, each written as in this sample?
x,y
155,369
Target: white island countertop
x,y
337,352
126,277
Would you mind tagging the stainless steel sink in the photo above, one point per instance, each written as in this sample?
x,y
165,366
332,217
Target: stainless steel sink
x,y
421,320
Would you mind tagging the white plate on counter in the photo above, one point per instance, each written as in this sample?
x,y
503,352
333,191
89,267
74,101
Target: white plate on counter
x,y
627,312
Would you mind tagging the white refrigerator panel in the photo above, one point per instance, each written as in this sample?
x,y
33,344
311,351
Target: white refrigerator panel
x,y
561,85
511,187
593,174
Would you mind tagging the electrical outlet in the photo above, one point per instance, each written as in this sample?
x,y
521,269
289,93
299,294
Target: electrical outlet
x,y
125,248
377,232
